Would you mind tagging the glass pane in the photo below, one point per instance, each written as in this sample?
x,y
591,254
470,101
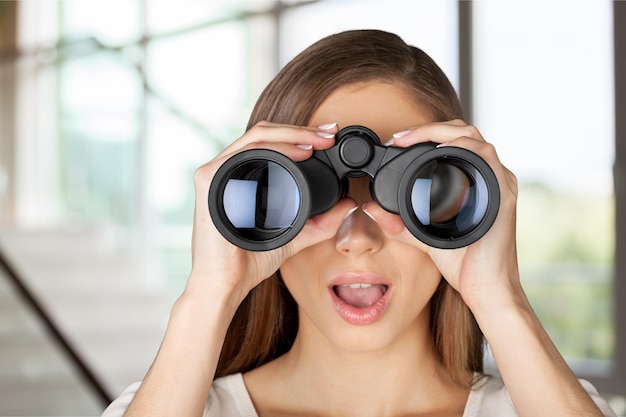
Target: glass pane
x,y
99,125
202,90
202,77
544,97
94,19
168,15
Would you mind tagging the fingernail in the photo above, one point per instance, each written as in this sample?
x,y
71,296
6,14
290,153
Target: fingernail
x,y
388,143
325,135
327,126
400,134
305,147
443,145
368,213
352,210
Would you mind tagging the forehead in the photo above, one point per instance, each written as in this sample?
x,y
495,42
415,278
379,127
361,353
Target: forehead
x,y
384,107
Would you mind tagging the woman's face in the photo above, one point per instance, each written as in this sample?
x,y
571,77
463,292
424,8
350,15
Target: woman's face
x,y
362,291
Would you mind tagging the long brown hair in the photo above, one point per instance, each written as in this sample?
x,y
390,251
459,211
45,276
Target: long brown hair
x,y
266,323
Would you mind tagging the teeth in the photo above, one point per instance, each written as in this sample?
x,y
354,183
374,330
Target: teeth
x,y
358,285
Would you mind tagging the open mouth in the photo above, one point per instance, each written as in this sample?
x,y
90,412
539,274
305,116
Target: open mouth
x,y
360,295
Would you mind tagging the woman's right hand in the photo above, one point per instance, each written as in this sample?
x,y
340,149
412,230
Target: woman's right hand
x,y
179,380
234,269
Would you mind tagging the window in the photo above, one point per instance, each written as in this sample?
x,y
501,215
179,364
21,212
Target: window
x,y
116,107
544,97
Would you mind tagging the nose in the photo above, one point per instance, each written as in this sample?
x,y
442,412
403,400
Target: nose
x,y
359,234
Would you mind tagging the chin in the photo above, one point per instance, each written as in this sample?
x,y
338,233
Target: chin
x,y
364,339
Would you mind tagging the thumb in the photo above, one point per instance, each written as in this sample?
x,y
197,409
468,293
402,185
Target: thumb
x,y
322,227
392,225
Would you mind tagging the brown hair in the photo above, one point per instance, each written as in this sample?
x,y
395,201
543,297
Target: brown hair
x,y
266,323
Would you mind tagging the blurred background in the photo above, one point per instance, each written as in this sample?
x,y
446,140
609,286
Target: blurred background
x,y
107,108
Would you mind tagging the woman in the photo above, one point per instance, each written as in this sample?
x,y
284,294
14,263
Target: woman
x,y
355,318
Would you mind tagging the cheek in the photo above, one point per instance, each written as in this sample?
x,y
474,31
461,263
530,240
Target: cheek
x,y
424,296
421,278
299,275
310,261
426,288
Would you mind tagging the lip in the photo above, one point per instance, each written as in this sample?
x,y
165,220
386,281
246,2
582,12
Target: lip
x,y
355,315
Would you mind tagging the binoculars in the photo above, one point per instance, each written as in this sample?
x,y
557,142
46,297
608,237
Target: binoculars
x,y
447,197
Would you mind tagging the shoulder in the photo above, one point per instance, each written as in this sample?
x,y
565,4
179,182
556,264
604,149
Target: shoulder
x,y
228,398
120,404
489,397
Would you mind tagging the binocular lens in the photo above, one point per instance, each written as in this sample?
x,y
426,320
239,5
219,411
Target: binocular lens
x,y
449,198
261,199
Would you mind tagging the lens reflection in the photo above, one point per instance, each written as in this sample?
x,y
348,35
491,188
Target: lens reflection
x,y
449,197
261,196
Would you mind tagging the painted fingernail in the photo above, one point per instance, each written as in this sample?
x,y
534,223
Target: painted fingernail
x,y
305,147
325,135
443,145
349,213
400,134
388,143
327,126
368,213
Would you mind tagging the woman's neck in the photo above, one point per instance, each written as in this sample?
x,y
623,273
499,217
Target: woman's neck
x,y
318,378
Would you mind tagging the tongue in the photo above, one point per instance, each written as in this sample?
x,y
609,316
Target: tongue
x,y
360,297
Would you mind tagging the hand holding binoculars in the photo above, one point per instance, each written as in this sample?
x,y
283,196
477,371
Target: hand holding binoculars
x,y
447,197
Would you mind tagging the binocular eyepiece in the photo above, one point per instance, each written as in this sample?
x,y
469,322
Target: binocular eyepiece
x,y
447,197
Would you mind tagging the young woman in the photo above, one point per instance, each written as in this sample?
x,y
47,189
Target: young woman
x,y
355,316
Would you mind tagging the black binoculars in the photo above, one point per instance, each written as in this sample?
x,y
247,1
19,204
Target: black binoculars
x,y
447,197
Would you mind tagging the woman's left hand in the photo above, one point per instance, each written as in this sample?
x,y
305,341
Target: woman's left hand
x,y
486,270
486,275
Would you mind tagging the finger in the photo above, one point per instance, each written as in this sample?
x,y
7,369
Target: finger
x,y
389,222
321,227
320,137
392,225
438,132
297,152
480,147
512,181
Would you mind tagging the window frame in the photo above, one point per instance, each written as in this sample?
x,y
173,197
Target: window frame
x,y
615,382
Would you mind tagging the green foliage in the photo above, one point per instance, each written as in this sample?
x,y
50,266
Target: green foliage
x,y
566,249
574,304
564,227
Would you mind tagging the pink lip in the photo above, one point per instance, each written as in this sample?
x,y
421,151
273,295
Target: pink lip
x,y
355,315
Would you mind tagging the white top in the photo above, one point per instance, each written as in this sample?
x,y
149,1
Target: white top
x,y
229,398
